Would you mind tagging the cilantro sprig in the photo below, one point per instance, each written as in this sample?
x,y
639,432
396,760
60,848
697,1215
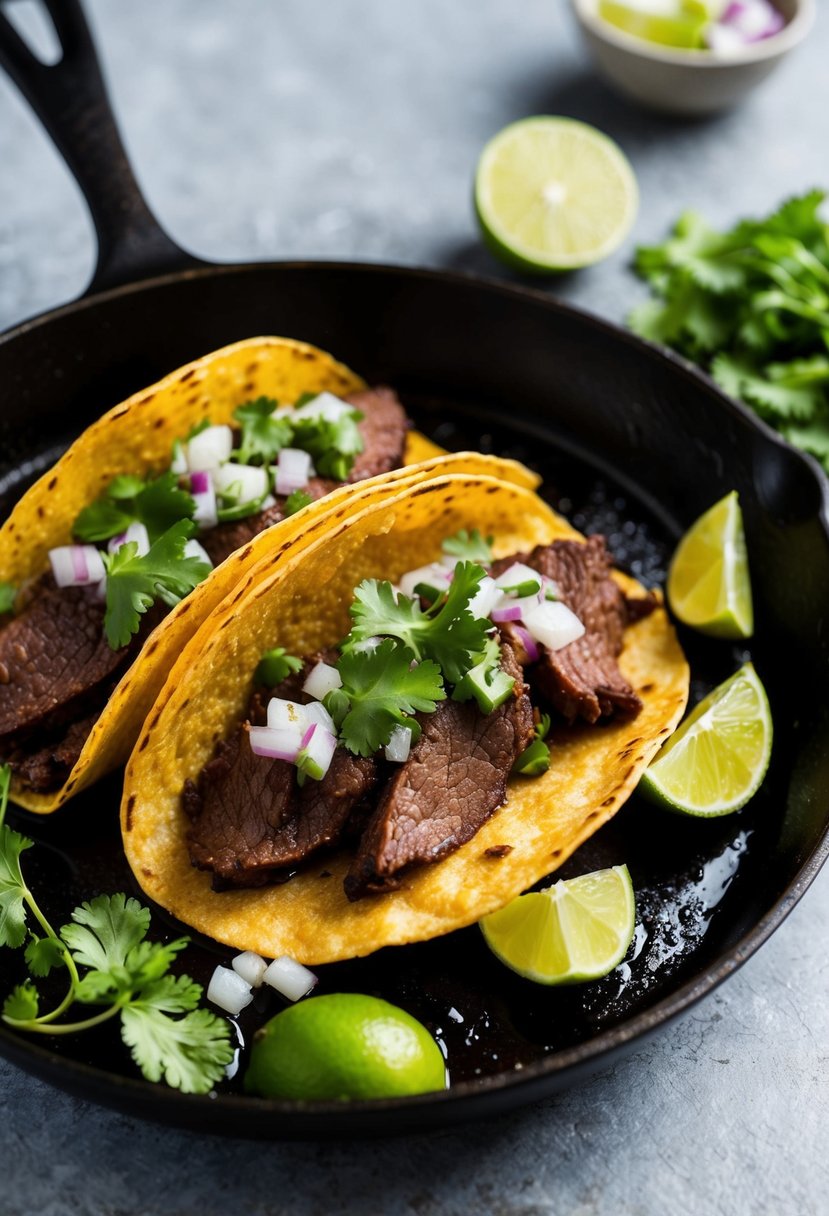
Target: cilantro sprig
x,y
8,595
157,503
263,436
113,969
752,306
134,583
469,546
332,445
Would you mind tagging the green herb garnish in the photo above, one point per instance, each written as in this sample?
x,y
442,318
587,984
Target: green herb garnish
x,y
752,306
110,965
8,596
295,501
134,583
156,503
486,683
263,436
380,690
469,546
275,666
535,759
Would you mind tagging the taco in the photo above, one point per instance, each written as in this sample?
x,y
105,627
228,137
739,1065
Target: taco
x,y
400,726
112,559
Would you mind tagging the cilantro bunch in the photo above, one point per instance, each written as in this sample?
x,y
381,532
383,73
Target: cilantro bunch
x,y
752,306
332,446
111,969
157,503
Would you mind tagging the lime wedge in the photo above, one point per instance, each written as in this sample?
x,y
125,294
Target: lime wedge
x,y
553,194
708,581
578,929
717,759
683,27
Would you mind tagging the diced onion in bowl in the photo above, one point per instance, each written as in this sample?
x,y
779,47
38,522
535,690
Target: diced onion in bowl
x,y
251,967
204,496
194,549
286,715
322,679
210,448
293,470
553,625
325,406
399,745
433,575
485,598
229,991
275,744
76,565
290,978
317,713
247,481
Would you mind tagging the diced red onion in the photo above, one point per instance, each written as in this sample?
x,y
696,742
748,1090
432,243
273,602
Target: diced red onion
x,y
528,642
229,991
210,448
290,978
750,20
553,625
485,598
194,549
275,744
325,406
284,714
76,565
308,734
251,480
322,679
250,966
200,482
517,573
293,470
399,745
434,575
135,532
319,746
205,513
508,612
316,712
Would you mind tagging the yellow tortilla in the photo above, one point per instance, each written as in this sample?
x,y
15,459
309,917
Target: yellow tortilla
x,y
137,437
300,600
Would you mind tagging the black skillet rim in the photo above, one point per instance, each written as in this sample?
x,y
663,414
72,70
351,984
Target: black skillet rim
x,y
230,1114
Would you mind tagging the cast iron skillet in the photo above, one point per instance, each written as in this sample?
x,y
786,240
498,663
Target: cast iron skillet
x,y
631,441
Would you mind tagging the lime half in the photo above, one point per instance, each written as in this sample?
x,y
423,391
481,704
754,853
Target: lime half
x,y
344,1045
554,194
717,759
578,929
708,582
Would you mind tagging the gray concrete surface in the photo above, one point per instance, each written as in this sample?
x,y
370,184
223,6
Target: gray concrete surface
x,y
350,129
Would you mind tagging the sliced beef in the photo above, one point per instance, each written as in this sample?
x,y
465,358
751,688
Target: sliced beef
x,y
383,427
454,780
583,680
46,767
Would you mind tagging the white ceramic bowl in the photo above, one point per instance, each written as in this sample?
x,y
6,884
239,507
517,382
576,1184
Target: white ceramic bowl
x,y
688,82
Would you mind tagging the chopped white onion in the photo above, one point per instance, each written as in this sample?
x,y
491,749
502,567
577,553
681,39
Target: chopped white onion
x,y
399,744
516,574
210,448
135,532
286,715
317,713
179,465
322,679
268,501
276,744
204,496
76,565
325,406
290,978
194,549
248,481
293,470
434,575
318,747
553,624
229,991
485,598
251,967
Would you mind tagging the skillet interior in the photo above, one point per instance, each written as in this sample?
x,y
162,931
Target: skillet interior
x,y
632,442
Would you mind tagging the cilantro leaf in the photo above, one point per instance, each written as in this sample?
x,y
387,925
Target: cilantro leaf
x,y
102,519
162,503
134,583
447,632
125,485
263,436
42,954
22,1004
156,503
12,887
469,546
275,666
773,400
191,1053
105,930
331,445
8,595
296,500
380,690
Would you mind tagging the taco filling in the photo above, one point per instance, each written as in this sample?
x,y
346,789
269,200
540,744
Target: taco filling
x,y
400,743
148,541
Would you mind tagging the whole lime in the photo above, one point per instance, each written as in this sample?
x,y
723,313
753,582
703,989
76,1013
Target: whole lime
x,y
342,1046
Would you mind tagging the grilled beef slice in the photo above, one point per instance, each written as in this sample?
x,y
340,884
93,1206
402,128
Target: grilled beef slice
x,y
383,428
454,780
583,680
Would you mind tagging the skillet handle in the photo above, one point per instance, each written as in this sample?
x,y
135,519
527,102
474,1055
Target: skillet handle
x,y
70,98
